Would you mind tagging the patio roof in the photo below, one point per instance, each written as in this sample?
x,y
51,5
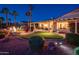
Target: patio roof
x,y
72,14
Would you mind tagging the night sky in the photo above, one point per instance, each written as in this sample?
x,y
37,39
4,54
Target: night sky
x,y
40,11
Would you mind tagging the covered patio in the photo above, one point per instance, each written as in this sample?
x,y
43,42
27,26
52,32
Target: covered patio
x,y
60,25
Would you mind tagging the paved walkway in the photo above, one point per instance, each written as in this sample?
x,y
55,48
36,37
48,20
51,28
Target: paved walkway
x,y
18,46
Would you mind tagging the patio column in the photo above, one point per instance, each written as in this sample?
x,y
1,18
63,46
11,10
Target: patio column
x,y
49,25
57,27
75,26
34,27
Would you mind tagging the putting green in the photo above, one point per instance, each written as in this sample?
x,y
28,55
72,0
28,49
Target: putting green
x,y
45,35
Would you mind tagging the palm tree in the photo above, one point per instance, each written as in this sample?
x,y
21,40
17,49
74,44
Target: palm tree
x,y
9,19
29,13
1,21
15,13
6,12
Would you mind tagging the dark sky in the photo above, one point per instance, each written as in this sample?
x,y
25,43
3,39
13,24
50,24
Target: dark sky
x,y
40,11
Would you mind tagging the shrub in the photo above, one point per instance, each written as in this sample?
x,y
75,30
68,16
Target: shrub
x,y
36,43
72,38
2,34
77,52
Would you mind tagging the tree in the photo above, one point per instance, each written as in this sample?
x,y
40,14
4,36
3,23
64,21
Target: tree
x,y
6,12
29,13
15,13
9,19
1,21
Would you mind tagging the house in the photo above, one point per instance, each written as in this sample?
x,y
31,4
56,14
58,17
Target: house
x,y
66,23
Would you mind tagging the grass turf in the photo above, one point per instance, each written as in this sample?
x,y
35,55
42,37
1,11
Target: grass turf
x,y
45,35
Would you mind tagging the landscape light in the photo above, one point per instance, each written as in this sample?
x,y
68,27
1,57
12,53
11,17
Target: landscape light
x,y
14,29
10,28
45,25
60,43
67,49
56,43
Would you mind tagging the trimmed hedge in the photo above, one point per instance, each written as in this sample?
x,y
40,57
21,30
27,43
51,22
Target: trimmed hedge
x,y
72,38
2,34
36,43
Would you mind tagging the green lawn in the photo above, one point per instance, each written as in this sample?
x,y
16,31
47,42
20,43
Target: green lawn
x,y
45,35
